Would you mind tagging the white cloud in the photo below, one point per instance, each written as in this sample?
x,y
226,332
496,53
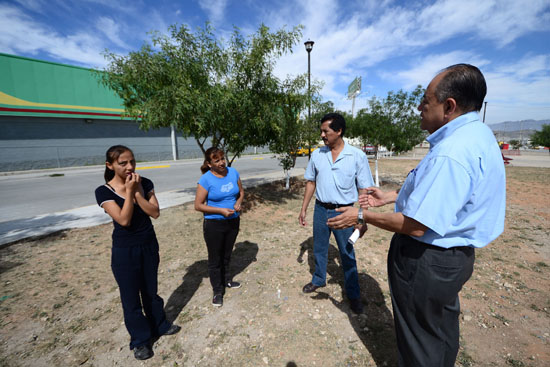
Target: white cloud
x,y
112,30
370,38
214,8
34,5
425,68
359,42
19,34
519,90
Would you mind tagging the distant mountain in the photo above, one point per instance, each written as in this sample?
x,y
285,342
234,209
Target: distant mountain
x,y
509,126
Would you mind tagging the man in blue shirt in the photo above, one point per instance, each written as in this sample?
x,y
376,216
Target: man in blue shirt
x,y
334,173
451,203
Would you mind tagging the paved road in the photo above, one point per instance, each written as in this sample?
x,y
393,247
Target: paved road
x,y
41,202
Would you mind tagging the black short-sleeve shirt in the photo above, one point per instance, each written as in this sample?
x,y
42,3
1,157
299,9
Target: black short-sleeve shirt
x,y
140,231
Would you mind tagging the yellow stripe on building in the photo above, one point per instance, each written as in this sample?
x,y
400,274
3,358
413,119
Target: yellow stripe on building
x,y
14,101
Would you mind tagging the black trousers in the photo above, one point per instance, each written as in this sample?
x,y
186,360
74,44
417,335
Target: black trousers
x,y
424,284
135,269
220,236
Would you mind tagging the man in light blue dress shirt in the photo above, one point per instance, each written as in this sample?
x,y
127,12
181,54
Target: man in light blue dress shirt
x,y
335,173
451,203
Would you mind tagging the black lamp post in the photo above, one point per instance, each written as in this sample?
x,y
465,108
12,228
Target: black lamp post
x,y
309,47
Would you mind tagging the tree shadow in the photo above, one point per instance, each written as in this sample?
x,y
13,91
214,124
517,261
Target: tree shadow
x,y
244,253
273,192
374,326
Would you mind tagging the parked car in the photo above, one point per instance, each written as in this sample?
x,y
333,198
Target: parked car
x,y
369,149
302,151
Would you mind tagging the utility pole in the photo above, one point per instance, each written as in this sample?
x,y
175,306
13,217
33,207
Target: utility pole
x,y
484,110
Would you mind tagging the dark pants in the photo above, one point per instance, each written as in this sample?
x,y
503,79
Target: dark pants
x,y
220,236
424,284
135,269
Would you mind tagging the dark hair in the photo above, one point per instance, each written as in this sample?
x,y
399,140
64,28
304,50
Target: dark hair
x,y
210,154
337,122
466,84
112,155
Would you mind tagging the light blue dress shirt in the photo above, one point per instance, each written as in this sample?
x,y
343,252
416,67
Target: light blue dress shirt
x,y
458,190
337,182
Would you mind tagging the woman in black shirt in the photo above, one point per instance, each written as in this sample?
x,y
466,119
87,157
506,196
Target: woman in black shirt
x,y
130,200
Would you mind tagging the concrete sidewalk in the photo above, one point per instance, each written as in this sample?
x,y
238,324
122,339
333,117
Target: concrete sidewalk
x,y
93,215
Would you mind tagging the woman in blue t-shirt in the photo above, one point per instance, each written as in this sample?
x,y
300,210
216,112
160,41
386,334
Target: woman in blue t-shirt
x,y
130,200
219,196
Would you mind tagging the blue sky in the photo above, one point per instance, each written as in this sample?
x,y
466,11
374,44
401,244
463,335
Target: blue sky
x,y
392,45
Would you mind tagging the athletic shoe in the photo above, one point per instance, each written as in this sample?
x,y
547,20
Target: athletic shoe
x,y
233,285
217,301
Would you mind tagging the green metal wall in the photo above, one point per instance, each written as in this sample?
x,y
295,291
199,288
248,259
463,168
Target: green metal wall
x,y
31,87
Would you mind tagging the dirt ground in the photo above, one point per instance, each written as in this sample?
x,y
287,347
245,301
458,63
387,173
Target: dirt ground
x,y
59,303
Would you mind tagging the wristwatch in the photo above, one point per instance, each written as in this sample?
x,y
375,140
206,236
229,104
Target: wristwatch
x,y
360,219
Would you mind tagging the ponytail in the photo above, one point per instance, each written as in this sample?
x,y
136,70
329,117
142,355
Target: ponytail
x,y
205,168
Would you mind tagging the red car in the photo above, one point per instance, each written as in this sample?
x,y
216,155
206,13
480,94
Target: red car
x,y
368,149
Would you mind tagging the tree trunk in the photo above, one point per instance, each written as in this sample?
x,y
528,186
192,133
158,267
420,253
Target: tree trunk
x,y
287,185
376,182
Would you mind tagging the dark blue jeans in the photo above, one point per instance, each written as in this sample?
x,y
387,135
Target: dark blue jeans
x,y
135,269
321,236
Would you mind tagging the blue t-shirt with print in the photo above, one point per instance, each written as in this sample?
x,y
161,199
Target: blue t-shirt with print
x,y
222,192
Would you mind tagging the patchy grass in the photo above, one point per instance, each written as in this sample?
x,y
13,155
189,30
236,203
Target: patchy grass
x,y
59,303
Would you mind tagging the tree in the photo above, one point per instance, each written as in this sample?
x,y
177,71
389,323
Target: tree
x,y
392,122
516,144
292,130
542,137
206,88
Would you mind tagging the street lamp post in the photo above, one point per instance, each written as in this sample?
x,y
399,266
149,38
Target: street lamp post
x,y
309,47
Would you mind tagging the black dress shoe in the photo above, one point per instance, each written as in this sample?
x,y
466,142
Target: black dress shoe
x,y
172,330
310,287
356,305
143,352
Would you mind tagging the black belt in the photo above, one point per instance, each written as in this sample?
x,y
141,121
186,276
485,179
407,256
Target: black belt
x,y
330,205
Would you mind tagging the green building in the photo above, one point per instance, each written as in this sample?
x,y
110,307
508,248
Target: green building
x,y
55,115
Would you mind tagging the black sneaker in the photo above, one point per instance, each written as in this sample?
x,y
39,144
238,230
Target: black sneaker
x,y
143,352
217,301
233,285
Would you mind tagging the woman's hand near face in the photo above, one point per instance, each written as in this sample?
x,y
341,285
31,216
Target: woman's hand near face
x,y
131,184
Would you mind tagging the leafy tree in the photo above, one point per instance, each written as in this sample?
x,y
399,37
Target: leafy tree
x,y
516,144
392,122
288,133
206,88
542,137
292,130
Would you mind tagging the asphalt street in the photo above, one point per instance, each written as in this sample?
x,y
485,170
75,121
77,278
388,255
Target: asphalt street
x,y
36,203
